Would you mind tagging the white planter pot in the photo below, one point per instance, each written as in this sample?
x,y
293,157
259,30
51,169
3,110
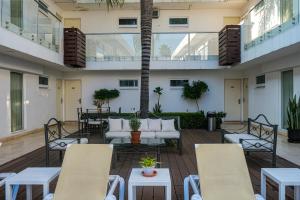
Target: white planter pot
x,y
148,170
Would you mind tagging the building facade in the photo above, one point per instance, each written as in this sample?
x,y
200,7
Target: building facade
x,y
36,84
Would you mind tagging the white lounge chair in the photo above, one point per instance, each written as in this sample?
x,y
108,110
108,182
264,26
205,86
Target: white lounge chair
x,y
223,174
85,174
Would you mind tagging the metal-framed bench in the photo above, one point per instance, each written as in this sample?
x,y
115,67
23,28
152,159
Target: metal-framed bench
x,y
57,138
260,136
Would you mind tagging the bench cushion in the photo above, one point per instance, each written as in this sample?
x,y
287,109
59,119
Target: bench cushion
x,y
168,125
126,125
61,144
154,124
147,134
168,135
118,134
115,124
144,125
235,138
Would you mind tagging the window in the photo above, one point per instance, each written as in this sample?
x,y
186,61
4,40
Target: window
x,y
178,21
178,83
16,101
16,10
128,22
43,81
260,81
128,83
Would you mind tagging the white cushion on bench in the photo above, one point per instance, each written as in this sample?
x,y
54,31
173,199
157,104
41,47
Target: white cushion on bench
x,y
154,124
168,135
147,134
235,138
61,144
118,134
168,125
144,125
115,124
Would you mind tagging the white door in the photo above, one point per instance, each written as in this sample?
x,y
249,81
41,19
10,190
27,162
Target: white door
x,y
245,99
233,100
72,99
59,100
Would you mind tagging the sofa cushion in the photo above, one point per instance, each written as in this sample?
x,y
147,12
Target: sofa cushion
x,y
144,125
154,124
250,141
61,144
167,125
118,134
147,134
115,124
126,125
168,135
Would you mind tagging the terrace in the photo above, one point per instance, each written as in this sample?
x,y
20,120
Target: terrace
x,y
180,165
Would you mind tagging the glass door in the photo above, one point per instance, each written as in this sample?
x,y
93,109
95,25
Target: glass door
x,y
286,93
16,101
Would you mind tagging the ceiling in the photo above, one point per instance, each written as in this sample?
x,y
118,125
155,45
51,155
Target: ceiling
x,y
86,5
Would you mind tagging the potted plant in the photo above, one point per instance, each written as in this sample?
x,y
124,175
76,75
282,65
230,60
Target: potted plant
x,y
135,124
148,164
219,119
293,115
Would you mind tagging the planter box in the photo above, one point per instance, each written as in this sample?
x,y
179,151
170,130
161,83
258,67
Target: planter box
x,y
294,135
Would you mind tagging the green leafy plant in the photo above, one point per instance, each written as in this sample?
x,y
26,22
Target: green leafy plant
x,y
103,96
219,117
293,113
148,162
135,123
157,106
195,91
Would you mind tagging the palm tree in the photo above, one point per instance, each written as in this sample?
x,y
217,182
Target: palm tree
x,y
146,35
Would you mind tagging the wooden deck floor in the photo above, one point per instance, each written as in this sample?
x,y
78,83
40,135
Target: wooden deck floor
x,y
180,166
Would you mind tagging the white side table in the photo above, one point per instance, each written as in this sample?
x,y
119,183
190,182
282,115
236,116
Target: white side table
x,y
137,179
283,177
32,176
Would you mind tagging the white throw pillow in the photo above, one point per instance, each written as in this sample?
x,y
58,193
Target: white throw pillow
x,y
144,125
154,124
168,125
126,125
115,124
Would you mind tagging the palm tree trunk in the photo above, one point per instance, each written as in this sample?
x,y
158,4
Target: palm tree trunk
x,y
146,33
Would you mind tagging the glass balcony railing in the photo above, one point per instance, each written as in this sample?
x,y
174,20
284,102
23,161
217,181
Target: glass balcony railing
x,y
165,46
33,21
268,19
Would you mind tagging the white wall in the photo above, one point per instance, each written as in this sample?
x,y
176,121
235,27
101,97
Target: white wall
x,y
200,20
39,104
171,100
268,100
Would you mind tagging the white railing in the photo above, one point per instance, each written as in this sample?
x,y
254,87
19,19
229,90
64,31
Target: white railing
x,y
31,20
268,19
165,46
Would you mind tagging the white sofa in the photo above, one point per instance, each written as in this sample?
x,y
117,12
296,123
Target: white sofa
x,y
164,128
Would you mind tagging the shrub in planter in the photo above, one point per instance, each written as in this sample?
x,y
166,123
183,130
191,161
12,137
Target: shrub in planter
x,y
219,119
293,113
135,124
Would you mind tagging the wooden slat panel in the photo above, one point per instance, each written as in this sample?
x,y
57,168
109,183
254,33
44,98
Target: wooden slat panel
x,y
74,48
230,45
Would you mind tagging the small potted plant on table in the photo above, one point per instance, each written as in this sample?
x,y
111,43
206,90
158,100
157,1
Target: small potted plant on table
x,y
148,164
135,124
293,113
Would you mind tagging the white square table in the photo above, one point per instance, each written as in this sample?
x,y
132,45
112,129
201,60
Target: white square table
x,y
137,179
32,176
283,177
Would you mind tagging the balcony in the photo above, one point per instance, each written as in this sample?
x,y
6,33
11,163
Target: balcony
x,y
270,26
193,49
29,30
